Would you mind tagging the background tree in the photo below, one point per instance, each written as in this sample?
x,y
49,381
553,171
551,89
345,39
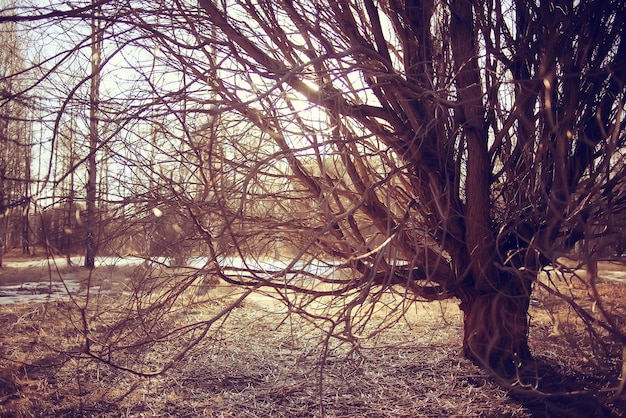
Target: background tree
x,y
94,140
15,143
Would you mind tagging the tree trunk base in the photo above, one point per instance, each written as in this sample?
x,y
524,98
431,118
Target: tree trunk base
x,y
496,339
496,331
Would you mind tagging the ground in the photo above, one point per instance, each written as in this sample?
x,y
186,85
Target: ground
x,y
265,361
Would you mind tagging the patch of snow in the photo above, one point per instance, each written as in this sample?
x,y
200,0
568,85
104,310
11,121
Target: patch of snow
x,y
615,276
37,291
46,291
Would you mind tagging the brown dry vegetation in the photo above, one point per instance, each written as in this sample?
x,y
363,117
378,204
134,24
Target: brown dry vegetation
x,y
264,361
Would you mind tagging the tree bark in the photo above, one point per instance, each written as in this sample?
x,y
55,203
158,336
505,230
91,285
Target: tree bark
x,y
496,327
92,193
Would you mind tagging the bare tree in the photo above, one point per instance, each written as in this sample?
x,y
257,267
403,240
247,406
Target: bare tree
x,y
94,138
480,140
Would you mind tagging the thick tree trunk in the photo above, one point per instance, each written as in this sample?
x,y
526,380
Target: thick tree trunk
x,y
496,328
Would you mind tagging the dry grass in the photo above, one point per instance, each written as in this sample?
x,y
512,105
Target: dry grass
x,y
265,362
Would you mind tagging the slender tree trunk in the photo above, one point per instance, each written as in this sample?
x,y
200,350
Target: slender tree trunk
x,y
26,228
496,327
90,238
3,205
68,227
26,206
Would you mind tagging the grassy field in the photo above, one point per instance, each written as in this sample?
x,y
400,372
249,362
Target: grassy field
x,y
264,360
